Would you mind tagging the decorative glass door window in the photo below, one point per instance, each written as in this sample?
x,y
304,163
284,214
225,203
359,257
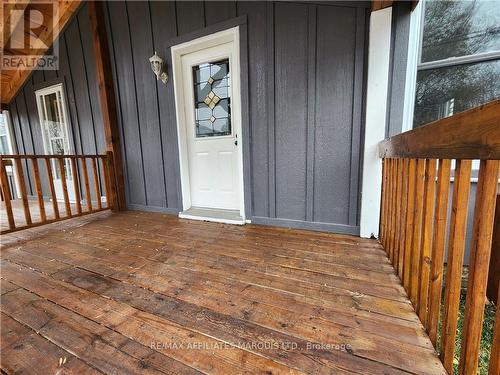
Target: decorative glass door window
x,y
54,128
212,96
51,110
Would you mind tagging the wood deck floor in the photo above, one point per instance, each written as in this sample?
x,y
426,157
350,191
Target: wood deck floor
x,y
145,293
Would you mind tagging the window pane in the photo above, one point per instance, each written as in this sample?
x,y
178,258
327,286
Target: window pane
x,y
4,145
459,28
212,99
445,91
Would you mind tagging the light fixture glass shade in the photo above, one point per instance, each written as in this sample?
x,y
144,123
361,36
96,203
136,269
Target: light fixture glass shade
x,y
157,67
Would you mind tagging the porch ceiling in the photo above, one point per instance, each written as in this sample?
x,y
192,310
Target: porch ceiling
x,y
50,27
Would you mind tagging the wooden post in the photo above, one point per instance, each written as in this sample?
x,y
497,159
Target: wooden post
x,y
107,98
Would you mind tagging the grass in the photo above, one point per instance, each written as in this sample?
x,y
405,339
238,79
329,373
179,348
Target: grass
x,y
486,336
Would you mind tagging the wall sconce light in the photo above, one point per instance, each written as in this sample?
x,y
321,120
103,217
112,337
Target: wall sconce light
x,y
157,67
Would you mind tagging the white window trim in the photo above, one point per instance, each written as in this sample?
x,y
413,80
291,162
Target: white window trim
x,y
10,133
414,43
460,60
12,149
414,64
54,90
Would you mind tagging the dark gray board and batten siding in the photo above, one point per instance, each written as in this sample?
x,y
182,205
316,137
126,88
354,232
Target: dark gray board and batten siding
x,y
302,92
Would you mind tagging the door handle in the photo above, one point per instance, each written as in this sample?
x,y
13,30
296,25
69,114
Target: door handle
x,y
236,142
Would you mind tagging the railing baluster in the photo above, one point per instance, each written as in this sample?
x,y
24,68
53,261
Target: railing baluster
x,y
96,183
456,248
76,185
383,203
50,177
425,258
417,231
387,206
88,195
409,223
390,237
4,185
112,203
62,171
438,247
107,182
402,218
39,192
482,233
395,246
22,188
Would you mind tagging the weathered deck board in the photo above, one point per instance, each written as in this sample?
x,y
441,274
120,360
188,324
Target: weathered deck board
x,y
117,291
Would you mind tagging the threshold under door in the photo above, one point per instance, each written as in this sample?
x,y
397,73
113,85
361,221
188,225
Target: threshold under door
x,y
213,214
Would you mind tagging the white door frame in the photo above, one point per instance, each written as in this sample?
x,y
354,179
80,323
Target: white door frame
x,y
222,37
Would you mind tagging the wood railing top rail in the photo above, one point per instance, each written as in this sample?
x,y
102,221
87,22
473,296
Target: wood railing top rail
x,y
473,134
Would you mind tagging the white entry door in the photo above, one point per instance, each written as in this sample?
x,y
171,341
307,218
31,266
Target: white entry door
x,y
53,120
212,127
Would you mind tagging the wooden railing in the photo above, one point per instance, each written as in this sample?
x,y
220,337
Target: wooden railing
x,y
416,227
63,187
